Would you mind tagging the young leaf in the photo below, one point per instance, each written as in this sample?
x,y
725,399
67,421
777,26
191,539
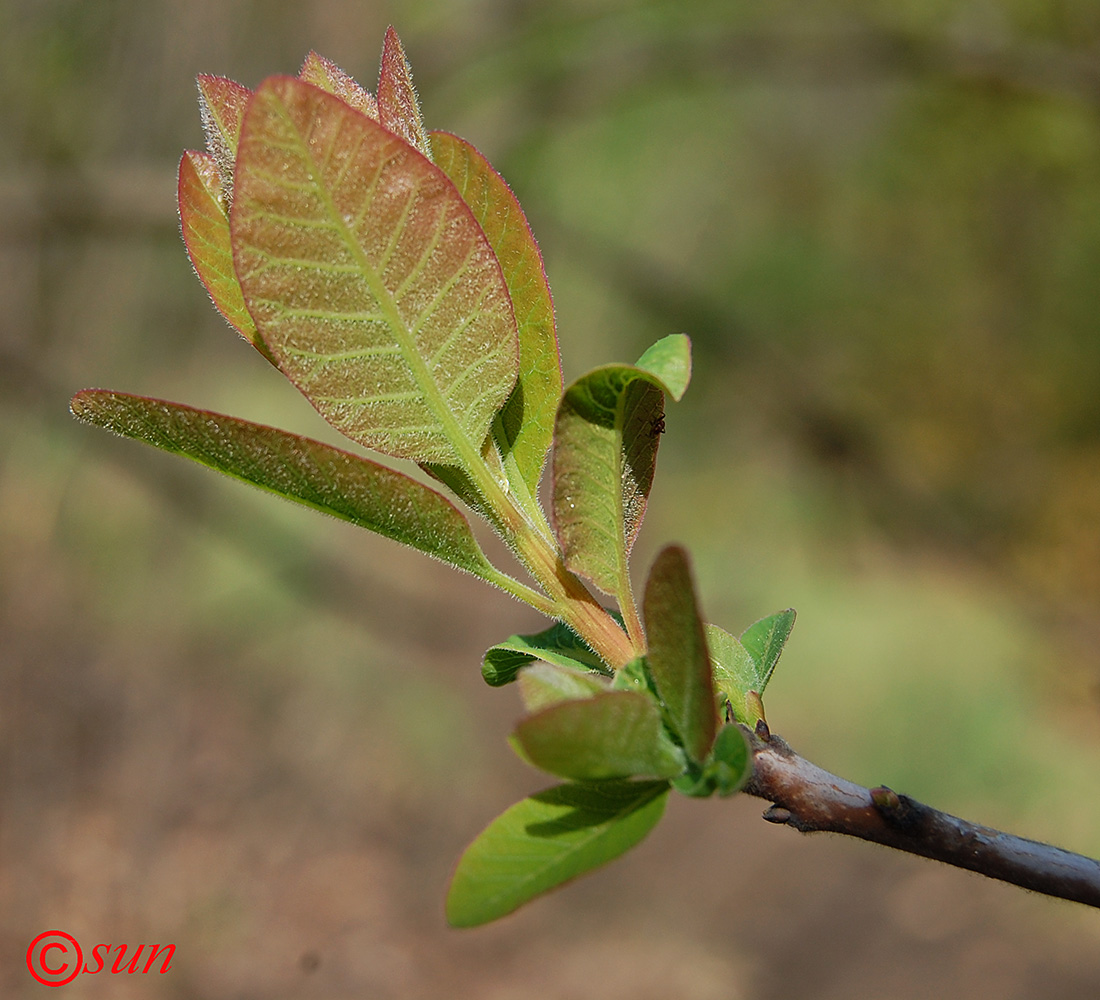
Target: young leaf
x,y
678,657
308,472
605,450
743,666
544,684
222,105
368,278
548,839
670,360
527,420
617,734
205,228
764,641
731,761
735,674
559,644
324,73
398,108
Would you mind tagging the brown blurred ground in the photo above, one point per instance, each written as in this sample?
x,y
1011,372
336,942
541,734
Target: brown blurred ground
x,y
261,736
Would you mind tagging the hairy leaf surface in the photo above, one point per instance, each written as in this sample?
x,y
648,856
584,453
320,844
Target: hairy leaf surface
x,y
324,73
527,420
308,472
222,104
617,734
398,107
205,228
678,657
558,644
368,278
548,839
606,434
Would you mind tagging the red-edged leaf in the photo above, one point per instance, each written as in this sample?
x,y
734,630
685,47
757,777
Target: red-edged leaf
x,y
308,472
324,73
368,278
398,107
527,420
222,104
678,657
205,228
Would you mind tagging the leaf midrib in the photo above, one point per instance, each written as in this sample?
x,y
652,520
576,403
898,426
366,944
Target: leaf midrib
x,y
452,429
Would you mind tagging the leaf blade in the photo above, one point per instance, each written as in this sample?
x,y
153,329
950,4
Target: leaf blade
x,y
678,657
324,73
548,839
398,107
605,454
735,673
205,229
615,734
764,640
368,278
528,416
308,472
558,645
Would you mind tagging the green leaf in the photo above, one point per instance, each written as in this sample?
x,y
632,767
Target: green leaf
x,y
307,472
368,278
764,641
670,360
731,761
605,451
617,734
735,674
324,73
548,839
205,228
398,108
544,684
678,657
527,420
559,644
744,666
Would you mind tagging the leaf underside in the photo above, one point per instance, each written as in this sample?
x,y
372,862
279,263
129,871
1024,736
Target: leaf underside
x,y
558,644
308,472
548,839
678,657
605,452
368,278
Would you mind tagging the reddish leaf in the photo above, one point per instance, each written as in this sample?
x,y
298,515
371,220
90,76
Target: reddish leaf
x,y
398,107
368,278
324,73
205,228
222,104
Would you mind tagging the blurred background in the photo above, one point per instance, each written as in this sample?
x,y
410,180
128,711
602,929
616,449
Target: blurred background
x,y
260,735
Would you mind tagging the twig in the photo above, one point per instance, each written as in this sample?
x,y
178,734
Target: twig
x,y
810,799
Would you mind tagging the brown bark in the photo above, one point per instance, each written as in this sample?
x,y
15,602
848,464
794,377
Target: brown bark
x,y
810,799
